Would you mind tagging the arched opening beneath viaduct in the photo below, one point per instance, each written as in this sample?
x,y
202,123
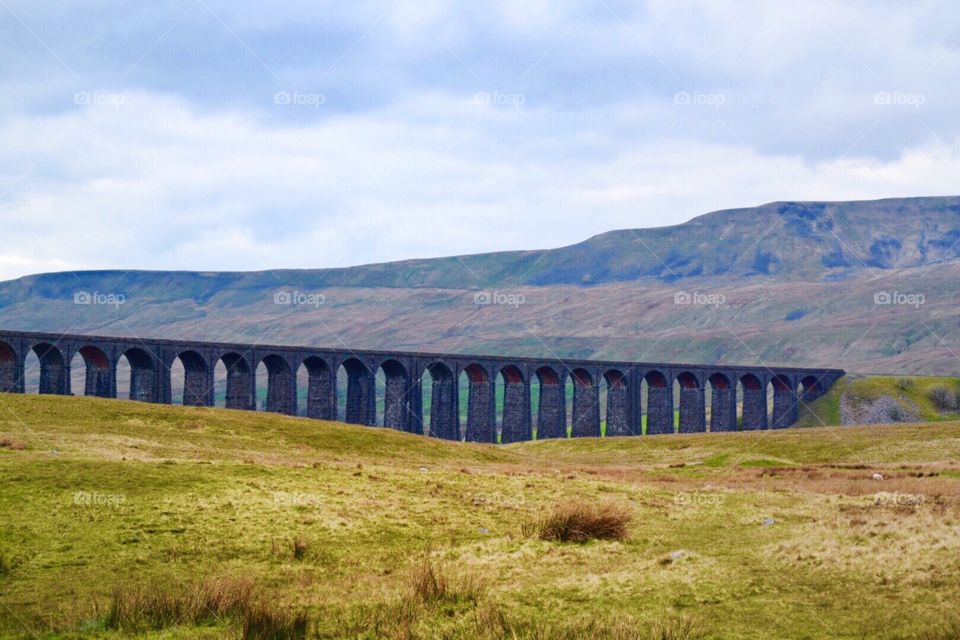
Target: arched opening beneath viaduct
x,y
30,376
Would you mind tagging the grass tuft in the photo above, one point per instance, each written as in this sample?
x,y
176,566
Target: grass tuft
x,y
155,606
580,521
263,621
431,583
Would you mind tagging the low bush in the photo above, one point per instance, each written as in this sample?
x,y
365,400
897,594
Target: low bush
x,y
943,399
580,521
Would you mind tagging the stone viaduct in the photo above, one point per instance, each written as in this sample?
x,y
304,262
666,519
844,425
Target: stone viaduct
x,y
151,361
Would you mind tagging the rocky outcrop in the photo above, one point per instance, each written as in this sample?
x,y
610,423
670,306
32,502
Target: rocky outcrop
x,y
883,410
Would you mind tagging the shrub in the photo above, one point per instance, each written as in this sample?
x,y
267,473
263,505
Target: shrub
x,y
580,521
905,384
943,399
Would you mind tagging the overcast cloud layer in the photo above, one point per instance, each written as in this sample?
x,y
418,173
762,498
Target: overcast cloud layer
x,y
199,134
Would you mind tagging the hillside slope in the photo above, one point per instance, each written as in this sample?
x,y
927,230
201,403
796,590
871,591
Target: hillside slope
x,y
798,283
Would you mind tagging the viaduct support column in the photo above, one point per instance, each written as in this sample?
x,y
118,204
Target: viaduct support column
x,y
360,399
395,412
241,388
659,407
481,409
10,370
754,408
785,405
586,408
143,383
692,410
517,426
321,390
100,381
415,404
618,408
444,408
723,409
198,388
552,412
53,375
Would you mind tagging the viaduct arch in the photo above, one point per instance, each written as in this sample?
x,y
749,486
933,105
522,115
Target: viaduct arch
x,y
608,397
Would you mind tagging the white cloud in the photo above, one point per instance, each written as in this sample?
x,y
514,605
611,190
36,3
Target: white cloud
x,y
158,184
196,168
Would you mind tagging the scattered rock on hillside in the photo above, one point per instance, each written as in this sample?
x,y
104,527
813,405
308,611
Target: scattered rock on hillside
x,y
883,410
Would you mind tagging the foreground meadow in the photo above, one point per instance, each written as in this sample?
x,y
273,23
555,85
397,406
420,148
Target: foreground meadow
x,y
120,519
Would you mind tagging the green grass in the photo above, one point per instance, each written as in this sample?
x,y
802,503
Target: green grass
x,y
743,535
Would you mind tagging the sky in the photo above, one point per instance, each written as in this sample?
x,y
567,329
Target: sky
x,y
217,135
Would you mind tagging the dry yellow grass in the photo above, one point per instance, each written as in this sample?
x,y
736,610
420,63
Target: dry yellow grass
x,y
764,535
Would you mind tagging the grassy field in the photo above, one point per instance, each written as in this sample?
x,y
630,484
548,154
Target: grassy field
x,y
367,533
